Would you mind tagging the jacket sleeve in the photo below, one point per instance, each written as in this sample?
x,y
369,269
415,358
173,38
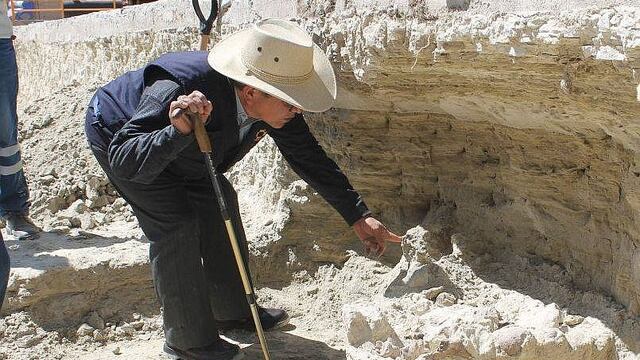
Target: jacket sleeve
x,y
148,142
307,158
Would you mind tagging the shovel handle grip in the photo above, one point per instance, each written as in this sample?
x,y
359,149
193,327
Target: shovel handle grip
x,y
201,134
204,143
204,42
206,23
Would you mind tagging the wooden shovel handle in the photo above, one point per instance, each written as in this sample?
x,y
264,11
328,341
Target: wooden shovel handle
x,y
201,133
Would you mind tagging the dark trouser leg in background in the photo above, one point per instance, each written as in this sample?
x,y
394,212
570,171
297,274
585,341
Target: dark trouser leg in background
x,y
4,269
14,194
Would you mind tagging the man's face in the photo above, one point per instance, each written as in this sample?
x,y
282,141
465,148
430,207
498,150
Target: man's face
x,y
270,109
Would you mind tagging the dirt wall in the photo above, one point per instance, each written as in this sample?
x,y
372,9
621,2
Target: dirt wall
x,y
523,127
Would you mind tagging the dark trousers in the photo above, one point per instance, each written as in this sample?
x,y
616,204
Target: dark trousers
x,y
194,270
14,193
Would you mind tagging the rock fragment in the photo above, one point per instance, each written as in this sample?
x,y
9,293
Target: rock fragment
x,y
445,299
85,330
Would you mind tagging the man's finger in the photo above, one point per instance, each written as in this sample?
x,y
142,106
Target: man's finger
x,y
208,107
391,237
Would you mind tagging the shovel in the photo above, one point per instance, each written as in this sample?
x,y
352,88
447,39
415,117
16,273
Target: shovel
x,y
205,147
206,23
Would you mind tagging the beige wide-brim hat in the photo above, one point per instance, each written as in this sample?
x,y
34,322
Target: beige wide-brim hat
x,y
279,58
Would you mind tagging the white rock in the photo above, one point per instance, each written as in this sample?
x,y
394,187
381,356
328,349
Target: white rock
x,y
125,330
76,208
445,299
573,320
541,317
85,330
509,339
86,222
432,293
366,323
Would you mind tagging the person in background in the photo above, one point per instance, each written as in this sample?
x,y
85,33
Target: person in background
x,y
4,269
14,194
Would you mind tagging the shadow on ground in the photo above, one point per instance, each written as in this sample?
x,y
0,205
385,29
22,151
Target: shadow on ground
x,y
285,346
39,254
59,278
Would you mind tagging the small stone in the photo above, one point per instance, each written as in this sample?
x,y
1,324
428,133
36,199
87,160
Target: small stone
x,y
118,204
367,323
13,247
573,320
433,292
445,299
458,4
547,316
77,207
95,320
312,291
99,335
138,325
50,170
86,222
23,292
47,179
509,340
125,330
85,330
96,202
117,351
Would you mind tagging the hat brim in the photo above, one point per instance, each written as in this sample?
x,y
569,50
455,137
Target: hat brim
x,y
316,94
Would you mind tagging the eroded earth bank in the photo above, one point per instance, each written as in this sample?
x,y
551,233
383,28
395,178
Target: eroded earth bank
x,y
502,140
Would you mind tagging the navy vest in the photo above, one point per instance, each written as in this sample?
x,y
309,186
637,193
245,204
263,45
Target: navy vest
x,y
119,98
115,104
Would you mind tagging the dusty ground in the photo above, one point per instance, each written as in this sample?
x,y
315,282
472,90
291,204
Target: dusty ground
x,y
491,304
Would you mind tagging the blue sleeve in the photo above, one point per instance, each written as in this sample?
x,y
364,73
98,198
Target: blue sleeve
x,y
147,143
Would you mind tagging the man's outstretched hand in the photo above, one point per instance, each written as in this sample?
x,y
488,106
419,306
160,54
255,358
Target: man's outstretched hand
x,y
374,235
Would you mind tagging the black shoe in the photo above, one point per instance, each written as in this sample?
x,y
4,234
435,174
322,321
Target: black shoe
x,y
271,319
20,227
219,350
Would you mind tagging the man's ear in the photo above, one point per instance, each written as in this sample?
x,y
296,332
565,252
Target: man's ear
x,y
250,96
249,92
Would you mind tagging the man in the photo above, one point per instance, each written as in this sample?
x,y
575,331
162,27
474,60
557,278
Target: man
x,y
14,194
258,80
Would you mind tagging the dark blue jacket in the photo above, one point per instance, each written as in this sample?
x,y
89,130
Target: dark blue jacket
x,y
131,124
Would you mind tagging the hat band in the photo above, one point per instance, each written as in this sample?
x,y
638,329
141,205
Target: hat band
x,y
278,79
